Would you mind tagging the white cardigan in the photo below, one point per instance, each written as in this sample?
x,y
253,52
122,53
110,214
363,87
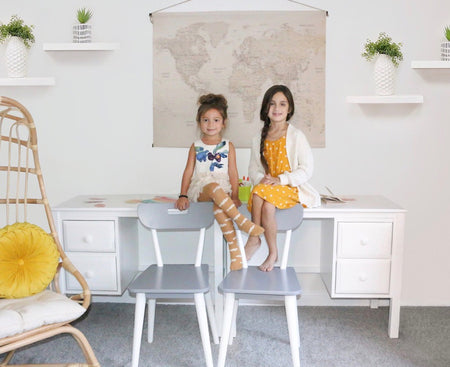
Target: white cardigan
x,y
301,163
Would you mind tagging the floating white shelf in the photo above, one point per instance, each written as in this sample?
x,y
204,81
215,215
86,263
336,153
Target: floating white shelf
x,y
432,64
386,99
92,46
27,82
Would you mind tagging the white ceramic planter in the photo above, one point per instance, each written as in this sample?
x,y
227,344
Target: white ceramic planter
x,y
82,33
384,73
445,51
16,57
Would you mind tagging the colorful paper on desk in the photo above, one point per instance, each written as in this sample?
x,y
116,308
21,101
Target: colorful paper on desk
x,y
97,202
160,199
155,199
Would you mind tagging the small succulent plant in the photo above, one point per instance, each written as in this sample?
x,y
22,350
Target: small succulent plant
x,y
83,15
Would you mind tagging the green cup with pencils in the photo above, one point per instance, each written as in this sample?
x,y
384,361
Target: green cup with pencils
x,y
245,188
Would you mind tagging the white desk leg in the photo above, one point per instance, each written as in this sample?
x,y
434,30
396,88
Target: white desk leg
x,y
394,317
218,275
396,276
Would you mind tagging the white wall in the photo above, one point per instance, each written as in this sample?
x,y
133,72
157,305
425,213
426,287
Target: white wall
x,y
95,125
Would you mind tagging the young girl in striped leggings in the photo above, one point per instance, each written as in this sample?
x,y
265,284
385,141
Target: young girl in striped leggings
x,y
211,175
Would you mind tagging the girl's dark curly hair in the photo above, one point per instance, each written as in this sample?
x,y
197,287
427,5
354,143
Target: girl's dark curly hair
x,y
209,101
264,112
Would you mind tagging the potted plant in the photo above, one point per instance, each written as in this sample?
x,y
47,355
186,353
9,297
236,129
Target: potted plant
x,y
445,46
388,55
19,37
82,31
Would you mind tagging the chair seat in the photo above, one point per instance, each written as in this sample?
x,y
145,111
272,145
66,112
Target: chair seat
x,y
169,279
45,308
253,281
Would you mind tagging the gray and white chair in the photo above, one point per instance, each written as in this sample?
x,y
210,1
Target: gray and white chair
x,y
250,283
174,280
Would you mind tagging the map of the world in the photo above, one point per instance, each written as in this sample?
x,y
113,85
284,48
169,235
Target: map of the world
x,y
239,55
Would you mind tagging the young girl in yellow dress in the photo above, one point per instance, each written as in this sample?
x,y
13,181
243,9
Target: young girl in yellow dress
x,y
211,175
281,163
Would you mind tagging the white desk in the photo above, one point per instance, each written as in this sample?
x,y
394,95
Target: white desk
x,y
361,247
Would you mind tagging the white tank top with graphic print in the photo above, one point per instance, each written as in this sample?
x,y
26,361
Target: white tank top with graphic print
x,y
211,165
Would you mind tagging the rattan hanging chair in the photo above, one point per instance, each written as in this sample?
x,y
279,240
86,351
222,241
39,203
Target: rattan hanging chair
x,y
36,317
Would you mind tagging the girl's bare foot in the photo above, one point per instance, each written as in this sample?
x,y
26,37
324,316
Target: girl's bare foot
x,y
253,243
268,264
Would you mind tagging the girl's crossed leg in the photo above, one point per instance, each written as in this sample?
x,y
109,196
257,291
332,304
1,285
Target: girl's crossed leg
x,y
226,213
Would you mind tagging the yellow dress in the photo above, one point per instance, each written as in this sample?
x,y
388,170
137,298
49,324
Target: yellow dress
x,y
282,196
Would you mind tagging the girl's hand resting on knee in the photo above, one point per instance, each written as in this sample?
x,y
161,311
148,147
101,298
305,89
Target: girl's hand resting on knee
x,y
182,203
237,202
270,180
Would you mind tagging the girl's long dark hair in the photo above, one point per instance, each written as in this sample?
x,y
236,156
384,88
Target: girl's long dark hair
x,y
264,115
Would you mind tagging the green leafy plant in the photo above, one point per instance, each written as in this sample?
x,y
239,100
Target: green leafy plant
x,y
447,33
17,28
83,15
383,45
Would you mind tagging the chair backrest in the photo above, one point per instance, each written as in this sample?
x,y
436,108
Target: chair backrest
x,y
163,216
287,221
19,163
22,190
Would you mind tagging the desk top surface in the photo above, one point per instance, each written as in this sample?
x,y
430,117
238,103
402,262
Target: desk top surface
x,y
128,203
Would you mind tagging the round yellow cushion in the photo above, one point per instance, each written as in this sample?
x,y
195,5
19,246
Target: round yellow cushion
x,y
28,260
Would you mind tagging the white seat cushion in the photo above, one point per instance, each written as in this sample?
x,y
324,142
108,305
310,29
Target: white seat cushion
x,y
47,307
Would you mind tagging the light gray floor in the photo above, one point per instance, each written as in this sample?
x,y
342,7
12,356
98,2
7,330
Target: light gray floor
x,y
330,337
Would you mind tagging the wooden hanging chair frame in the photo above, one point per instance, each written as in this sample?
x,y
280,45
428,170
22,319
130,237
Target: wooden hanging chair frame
x,y
17,200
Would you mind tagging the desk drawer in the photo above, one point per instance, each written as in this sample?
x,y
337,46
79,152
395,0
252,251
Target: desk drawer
x,y
89,235
363,276
99,270
364,240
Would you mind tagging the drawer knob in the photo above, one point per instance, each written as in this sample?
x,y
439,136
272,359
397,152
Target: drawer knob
x,y
362,277
88,239
89,274
364,242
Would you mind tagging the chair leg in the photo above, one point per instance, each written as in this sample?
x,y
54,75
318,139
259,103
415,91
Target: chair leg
x,y
292,321
226,328
151,319
84,345
211,317
64,329
7,358
138,324
203,324
233,323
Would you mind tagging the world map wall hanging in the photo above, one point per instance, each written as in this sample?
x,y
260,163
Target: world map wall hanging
x,y
239,55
